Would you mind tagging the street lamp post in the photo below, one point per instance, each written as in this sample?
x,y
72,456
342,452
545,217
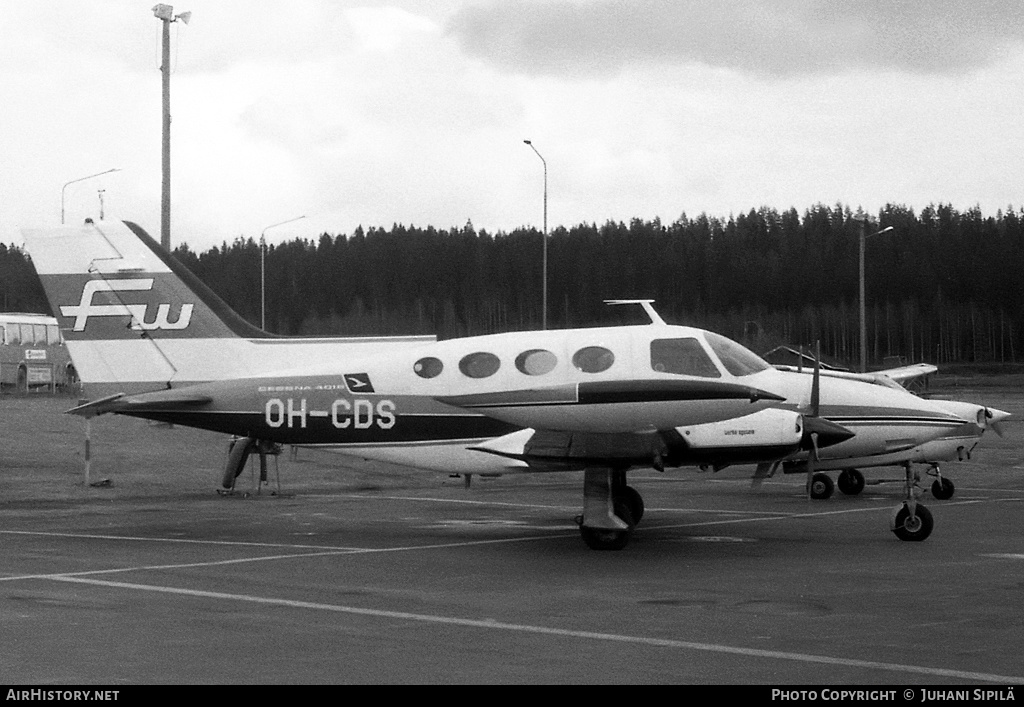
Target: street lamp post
x,y
863,323
263,269
80,179
544,269
165,13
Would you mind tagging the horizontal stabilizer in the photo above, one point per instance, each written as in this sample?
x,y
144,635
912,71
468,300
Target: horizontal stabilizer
x,y
159,401
96,407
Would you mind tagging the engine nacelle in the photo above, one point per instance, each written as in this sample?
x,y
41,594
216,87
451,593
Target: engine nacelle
x,y
770,428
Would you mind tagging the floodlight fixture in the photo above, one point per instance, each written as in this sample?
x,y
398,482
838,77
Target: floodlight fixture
x,y
544,265
164,12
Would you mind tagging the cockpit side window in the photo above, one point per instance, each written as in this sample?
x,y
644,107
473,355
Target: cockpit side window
x,y
682,356
737,359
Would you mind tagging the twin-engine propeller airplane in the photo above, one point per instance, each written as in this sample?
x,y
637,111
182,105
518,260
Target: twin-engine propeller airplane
x,y
956,445
151,341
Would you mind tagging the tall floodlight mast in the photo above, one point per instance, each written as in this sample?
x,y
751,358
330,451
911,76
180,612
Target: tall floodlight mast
x,y
165,13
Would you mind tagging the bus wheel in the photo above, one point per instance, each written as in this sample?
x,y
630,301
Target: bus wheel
x,y
71,378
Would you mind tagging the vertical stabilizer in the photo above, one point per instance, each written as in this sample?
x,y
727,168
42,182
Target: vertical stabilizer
x,y
132,316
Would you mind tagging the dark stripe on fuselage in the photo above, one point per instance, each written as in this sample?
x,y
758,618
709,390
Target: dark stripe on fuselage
x,y
643,391
322,430
609,393
893,420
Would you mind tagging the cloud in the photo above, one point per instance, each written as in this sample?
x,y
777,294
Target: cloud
x,y
769,38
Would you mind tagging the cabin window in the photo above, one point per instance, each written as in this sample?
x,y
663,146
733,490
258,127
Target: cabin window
x,y
682,356
480,364
536,362
593,359
737,359
428,367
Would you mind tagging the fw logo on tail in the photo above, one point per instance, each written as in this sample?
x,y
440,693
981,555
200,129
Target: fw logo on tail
x,y
85,308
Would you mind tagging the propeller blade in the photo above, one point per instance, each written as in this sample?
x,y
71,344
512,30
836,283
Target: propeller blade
x,y
764,470
816,382
811,459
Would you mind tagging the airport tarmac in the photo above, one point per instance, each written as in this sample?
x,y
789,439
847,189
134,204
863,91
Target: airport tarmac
x,y
417,579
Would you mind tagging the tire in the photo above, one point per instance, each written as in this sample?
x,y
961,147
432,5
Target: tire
x,y
632,498
916,530
851,482
943,489
822,486
602,539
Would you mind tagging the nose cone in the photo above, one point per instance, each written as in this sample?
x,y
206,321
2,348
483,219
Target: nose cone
x,y
994,419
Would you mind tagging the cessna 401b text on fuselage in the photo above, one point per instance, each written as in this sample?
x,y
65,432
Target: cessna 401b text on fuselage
x,y
149,340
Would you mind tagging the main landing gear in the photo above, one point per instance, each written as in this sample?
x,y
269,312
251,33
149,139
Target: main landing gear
x,y
611,509
851,482
942,488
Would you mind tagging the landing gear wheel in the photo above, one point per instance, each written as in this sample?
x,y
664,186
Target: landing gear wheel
x,y
914,528
604,539
943,489
822,486
632,498
851,482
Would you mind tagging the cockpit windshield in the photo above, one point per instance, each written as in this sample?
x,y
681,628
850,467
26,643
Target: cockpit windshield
x,y
737,359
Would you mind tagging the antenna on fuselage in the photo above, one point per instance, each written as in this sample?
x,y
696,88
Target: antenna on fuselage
x,y
647,304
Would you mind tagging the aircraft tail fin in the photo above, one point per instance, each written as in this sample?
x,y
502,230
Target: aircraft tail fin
x,y
133,317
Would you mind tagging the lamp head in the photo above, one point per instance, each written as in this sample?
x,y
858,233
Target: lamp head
x,y
528,142
164,12
184,17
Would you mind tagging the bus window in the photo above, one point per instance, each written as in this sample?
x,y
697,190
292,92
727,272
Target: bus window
x,y
52,334
3,334
39,334
14,334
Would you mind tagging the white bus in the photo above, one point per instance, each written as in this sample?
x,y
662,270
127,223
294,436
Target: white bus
x,y
33,355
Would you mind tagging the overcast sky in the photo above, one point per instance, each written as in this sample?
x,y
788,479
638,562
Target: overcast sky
x,y
377,113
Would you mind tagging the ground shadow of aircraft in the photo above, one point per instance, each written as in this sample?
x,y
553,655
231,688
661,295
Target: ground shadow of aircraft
x,y
151,341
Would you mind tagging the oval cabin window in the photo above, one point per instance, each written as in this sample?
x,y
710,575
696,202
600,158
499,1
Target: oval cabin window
x,y
480,364
428,367
536,362
593,359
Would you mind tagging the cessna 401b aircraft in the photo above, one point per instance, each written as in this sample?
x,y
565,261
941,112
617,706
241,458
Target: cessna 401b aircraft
x,y
149,340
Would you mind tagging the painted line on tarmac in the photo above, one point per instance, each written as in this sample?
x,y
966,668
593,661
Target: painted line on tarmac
x,y
187,541
461,501
1005,555
328,552
793,516
490,624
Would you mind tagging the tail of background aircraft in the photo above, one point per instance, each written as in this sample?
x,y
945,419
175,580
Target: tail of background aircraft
x,y
136,320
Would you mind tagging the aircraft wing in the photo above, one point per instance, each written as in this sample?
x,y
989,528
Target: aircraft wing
x,y
906,374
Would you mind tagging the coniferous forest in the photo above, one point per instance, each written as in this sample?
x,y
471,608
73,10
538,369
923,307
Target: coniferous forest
x,y
944,286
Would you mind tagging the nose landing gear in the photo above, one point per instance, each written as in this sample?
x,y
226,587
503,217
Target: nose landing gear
x,y
912,521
